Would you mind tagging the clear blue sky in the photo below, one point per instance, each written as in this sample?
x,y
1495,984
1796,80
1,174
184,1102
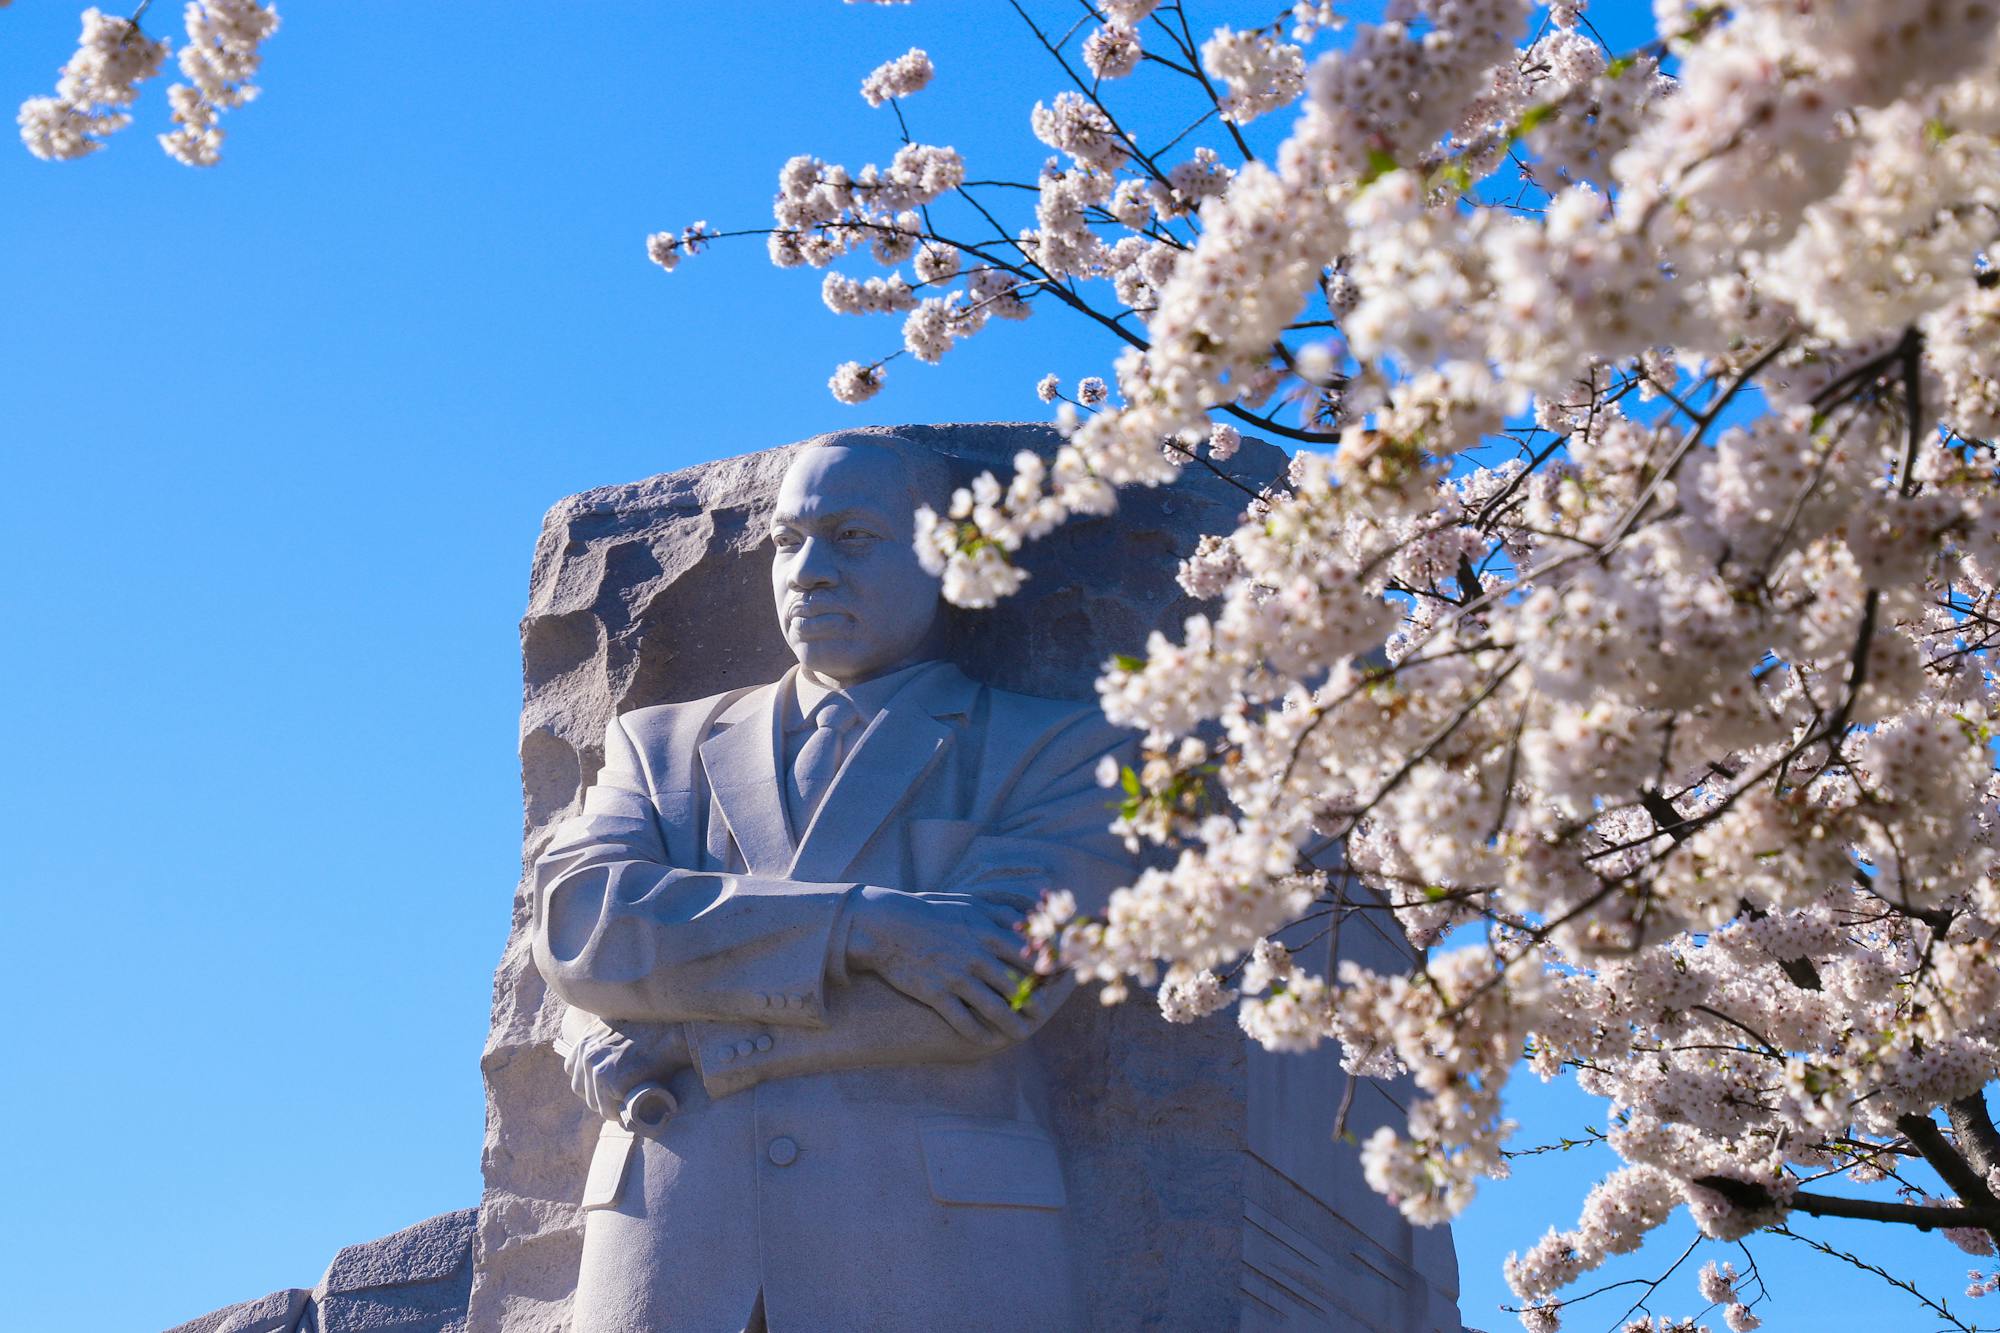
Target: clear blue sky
x,y
275,442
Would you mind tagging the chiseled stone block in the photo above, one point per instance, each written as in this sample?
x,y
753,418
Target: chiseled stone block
x,y
277,1313
415,1281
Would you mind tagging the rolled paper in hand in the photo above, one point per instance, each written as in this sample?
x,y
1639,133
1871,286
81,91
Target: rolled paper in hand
x,y
648,1106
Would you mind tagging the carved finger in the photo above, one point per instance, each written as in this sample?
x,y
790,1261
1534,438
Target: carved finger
x,y
1001,977
993,1007
963,1021
580,1073
1003,915
1005,945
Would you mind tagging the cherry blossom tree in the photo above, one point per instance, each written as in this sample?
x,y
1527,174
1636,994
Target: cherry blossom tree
x,y
1621,628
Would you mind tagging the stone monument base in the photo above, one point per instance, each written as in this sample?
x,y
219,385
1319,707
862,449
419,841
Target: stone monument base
x,y
415,1281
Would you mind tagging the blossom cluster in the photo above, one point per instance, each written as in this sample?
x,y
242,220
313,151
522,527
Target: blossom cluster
x,y
1622,625
223,53
114,56
907,73
667,249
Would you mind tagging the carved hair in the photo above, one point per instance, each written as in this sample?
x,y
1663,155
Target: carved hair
x,y
931,474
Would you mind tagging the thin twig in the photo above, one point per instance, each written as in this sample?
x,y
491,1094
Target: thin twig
x,y
1936,1307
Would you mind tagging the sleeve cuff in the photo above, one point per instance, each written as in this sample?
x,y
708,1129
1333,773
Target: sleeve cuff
x,y
836,939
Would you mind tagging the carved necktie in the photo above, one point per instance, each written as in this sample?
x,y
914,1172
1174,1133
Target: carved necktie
x,y
820,758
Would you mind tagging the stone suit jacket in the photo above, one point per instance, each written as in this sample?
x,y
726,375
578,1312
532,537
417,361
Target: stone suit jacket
x,y
840,1150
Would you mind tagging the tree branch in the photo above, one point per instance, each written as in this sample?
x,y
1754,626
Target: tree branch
x,y
1972,1123
1969,1185
1923,1216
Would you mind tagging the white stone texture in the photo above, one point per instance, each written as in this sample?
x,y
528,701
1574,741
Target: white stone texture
x,y
279,1312
414,1281
1205,1189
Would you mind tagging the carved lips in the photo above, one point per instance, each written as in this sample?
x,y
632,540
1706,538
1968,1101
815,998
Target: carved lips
x,y
814,618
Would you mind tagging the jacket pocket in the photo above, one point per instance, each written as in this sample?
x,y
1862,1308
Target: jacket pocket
x,y
604,1183
997,1163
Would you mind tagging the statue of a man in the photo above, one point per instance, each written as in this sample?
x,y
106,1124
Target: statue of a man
x,y
784,919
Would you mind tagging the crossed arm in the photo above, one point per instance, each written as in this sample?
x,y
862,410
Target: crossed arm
x,y
681,966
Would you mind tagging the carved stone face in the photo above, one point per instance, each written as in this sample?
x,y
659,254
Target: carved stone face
x,y
852,599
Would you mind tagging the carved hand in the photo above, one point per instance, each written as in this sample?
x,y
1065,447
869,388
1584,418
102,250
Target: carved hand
x,y
956,953
606,1063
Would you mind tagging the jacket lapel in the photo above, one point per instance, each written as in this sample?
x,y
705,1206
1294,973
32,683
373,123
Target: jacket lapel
x,y
742,767
901,745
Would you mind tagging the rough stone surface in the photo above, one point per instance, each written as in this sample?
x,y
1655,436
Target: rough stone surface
x,y
415,1281
277,1313
1203,1182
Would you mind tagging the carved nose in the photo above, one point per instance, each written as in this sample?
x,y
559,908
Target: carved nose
x,y
812,568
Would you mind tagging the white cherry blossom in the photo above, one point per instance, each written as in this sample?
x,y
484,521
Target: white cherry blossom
x,y
1621,627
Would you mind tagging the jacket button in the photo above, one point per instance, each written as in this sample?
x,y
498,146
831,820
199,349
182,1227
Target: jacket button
x,y
744,1047
783,1151
763,1043
770,1000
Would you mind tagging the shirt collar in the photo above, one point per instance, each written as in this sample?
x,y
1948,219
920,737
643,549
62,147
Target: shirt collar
x,y
867,697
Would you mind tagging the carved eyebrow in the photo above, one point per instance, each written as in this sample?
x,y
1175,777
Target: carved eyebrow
x,y
831,518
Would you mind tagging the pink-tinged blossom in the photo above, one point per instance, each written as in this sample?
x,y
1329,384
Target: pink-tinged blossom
x,y
1187,995
868,296
1127,12
667,249
1628,596
222,54
935,262
1262,74
855,383
113,57
907,73
1073,124
1112,51
664,249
